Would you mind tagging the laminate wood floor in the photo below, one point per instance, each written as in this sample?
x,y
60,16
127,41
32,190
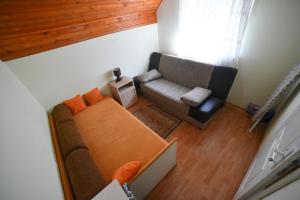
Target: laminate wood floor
x,y
211,162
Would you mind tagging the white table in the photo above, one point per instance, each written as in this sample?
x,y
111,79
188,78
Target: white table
x,y
113,191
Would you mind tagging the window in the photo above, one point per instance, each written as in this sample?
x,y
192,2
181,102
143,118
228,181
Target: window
x,y
210,31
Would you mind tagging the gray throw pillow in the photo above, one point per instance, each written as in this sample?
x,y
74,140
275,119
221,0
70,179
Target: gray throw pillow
x,y
196,96
149,76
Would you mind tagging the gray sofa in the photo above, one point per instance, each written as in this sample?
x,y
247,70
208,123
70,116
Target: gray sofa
x,y
170,79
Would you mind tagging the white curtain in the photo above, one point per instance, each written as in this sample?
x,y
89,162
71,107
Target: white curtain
x,y
211,31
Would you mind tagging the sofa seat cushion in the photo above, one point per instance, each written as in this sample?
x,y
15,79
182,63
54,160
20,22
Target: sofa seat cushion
x,y
167,89
204,111
178,109
196,96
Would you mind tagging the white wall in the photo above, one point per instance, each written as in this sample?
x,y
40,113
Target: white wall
x,y
61,73
271,46
168,18
287,109
28,169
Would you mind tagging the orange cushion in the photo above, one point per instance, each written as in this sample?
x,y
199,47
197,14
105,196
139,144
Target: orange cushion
x,y
93,96
127,171
76,104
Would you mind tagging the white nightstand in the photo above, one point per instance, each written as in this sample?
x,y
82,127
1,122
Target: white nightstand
x,y
124,91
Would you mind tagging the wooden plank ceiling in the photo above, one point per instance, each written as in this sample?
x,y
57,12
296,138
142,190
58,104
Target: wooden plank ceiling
x,y
32,26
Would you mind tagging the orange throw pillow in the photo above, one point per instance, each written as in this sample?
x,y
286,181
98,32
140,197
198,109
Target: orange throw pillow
x,y
93,96
127,171
76,104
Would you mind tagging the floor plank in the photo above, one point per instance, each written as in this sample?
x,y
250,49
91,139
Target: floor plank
x,y
211,162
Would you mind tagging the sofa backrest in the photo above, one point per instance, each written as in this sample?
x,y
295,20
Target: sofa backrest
x,y
191,74
83,175
185,72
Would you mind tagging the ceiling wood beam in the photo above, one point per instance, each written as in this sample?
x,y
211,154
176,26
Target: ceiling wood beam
x,y
30,27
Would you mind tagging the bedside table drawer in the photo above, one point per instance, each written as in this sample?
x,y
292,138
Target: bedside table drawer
x,y
128,96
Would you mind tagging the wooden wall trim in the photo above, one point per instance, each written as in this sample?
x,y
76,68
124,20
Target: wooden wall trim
x,y
30,27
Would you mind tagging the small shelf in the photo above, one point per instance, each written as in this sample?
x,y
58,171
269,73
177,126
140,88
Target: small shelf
x,y
126,86
124,91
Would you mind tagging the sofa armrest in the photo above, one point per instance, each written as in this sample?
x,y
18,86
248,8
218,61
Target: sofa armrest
x,y
206,110
196,96
84,175
221,81
154,61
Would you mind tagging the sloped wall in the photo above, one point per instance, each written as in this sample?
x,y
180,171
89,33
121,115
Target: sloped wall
x,y
62,73
28,167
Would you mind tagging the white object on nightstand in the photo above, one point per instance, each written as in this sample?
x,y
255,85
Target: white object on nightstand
x,y
113,191
124,91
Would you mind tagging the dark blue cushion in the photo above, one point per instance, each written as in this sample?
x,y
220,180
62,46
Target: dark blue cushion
x,y
205,110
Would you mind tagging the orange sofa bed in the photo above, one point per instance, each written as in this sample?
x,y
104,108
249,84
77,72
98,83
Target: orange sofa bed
x,y
111,137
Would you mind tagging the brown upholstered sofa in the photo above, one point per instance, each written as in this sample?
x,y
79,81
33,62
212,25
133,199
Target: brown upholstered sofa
x,y
85,179
179,77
